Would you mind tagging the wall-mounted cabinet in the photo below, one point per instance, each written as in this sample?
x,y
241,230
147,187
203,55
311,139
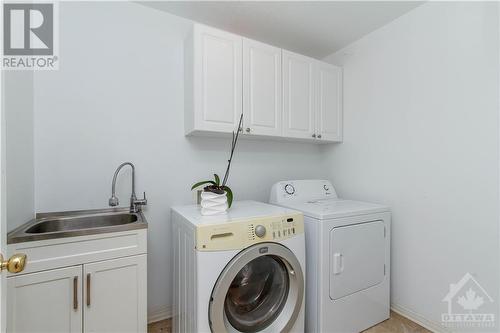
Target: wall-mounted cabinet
x,y
299,96
262,107
213,89
280,93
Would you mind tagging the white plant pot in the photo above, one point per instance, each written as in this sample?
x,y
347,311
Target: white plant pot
x,y
213,203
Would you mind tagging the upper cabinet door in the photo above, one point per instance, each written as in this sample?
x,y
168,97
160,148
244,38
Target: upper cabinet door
x,y
216,79
262,99
329,115
298,95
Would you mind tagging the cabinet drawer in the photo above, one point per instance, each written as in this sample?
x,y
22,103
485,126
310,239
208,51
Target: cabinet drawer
x,y
49,254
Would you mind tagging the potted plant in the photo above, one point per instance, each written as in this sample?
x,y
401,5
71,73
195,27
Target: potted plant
x,y
217,197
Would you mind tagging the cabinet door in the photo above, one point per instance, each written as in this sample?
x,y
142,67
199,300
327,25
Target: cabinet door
x,y
329,110
262,108
115,295
217,79
49,301
298,95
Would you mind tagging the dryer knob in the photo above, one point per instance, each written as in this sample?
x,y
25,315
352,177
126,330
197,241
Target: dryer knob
x,y
260,231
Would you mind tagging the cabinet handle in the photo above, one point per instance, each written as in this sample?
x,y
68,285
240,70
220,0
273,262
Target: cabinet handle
x,y
248,129
88,289
314,135
319,136
75,293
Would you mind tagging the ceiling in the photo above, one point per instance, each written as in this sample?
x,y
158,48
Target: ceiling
x,y
314,28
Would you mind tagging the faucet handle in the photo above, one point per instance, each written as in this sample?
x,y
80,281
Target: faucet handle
x,y
143,201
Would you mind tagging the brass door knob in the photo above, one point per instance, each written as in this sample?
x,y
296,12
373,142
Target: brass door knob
x,y
15,264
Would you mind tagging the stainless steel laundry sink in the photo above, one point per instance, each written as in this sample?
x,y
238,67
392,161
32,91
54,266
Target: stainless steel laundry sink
x,y
77,223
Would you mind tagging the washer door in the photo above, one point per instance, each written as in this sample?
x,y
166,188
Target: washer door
x,y
261,289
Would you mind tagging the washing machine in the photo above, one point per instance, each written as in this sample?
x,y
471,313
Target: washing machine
x,y
347,253
243,271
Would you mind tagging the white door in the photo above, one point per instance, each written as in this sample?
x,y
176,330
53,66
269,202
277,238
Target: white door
x,y
329,115
51,300
298,96
357,258
217,79
3,215
115,295
262,107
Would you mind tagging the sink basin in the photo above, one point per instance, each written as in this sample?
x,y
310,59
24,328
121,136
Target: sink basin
x,y
77,223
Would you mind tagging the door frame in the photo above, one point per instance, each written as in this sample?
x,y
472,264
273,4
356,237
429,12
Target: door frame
x,y
3,203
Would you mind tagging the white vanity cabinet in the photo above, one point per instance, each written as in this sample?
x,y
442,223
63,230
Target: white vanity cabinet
x,y
49,301
114,293
281,94
95,283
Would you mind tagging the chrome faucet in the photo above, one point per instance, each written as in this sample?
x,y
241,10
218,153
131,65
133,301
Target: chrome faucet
x,y
135,204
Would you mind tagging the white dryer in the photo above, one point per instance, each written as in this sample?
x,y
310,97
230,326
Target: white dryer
x,y
238,272
347,253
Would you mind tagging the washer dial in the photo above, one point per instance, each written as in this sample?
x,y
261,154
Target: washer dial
x,y
260,231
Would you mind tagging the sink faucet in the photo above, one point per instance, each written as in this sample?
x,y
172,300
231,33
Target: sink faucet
x,y
135,204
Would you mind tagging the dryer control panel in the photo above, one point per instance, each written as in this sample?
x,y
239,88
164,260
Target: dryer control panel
x,y
241,234
302,190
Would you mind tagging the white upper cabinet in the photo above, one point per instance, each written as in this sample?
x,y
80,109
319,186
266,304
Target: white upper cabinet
x,y
329,107
213,80
298,96
262,98
279,93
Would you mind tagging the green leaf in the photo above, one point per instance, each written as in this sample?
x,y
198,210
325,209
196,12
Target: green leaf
x,y
202,183
217,179
229,194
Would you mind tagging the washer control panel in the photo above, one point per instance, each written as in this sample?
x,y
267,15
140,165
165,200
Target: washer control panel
x,y
284,229
241,234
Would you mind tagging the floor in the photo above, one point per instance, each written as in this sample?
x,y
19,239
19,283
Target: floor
x,y
396,324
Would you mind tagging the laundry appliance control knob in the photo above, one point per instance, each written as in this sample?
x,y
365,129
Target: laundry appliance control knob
x,y
289,189
260,231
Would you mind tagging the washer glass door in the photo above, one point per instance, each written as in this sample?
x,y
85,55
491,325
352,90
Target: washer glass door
x,y
257,294
260,290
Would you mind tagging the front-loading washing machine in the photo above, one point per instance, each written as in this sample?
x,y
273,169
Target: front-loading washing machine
x,y
243,271
348,256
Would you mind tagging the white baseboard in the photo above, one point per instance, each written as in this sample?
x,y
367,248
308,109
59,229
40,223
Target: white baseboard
x,y
419,319
159,313
162,313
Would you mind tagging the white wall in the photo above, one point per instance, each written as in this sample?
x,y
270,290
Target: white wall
x,y
118,96
421,135
18,106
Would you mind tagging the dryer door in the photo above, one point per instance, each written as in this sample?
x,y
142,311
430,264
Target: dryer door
x,y
357,258
260,290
